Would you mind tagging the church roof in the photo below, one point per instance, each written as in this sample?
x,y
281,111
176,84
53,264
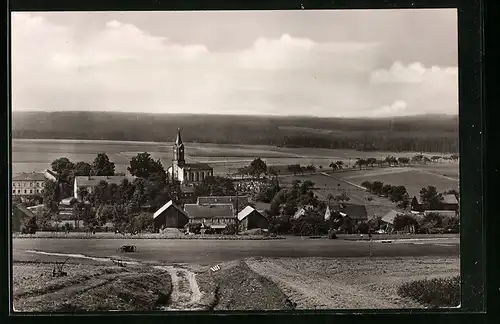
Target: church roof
x,y
197,166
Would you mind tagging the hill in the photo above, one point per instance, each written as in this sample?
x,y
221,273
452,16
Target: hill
x,y
430,133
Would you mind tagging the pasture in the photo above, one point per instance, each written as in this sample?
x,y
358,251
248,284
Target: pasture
x,y
36,154
413,178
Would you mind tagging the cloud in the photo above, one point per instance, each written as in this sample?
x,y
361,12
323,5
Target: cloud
x,y
120,67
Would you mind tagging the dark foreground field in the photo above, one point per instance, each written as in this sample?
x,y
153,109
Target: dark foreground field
x,y
211,251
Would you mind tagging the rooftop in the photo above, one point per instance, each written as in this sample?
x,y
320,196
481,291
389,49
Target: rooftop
x,y
33,176
209,211
197,166
168,205
247,211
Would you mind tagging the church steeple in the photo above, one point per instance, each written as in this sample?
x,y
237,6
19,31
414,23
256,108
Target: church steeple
x,y
178,150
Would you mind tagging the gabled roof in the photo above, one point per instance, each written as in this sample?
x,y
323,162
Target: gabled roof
x,y
95,180
168,205
389,217
24,210
450,199
247,211
33,176
417,199
356,212
241,201
196,166
209,211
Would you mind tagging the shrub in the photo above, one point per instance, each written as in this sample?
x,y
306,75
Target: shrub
x,y
438,292
332,234
194,228
230,229
362,228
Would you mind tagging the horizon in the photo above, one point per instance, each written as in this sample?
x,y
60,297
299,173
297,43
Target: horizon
x,y
370,63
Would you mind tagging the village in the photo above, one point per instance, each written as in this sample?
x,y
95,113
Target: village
x,y
188,199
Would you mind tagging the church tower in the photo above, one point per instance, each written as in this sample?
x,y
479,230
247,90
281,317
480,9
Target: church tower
x,y
178,150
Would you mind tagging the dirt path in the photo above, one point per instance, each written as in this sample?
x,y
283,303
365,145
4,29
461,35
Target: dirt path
x,y
186,294
318,293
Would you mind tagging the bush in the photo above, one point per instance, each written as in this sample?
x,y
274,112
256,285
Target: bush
x,y
332,234
439,292
362,228
194,228
230,229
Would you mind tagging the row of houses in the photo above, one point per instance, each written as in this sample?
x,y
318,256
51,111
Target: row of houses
x,y
31,183
449,202
216,212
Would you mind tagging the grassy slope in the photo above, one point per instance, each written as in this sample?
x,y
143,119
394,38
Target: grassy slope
x,y
88,288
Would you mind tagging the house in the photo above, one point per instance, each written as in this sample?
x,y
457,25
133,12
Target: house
x,y
186,172
187,195
88,183
169,216
357,213
216,216
417,204
28,184
450,202
388,220
250,218
19,214
238,202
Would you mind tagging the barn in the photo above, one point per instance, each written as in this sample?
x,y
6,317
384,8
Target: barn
x,y
169,216
250,218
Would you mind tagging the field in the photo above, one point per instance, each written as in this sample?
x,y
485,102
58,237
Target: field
x,y
413,178
36,155
252,275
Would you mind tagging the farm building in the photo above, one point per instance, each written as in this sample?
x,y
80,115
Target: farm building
x,y
238,202
88,183
357,213
450,202
388,220
19,214
186,195
216,216
169,216
250,218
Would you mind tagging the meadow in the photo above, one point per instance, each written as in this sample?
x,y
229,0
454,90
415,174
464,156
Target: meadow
x,y
30,155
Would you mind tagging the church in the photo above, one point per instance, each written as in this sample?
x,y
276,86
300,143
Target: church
x,y
184,172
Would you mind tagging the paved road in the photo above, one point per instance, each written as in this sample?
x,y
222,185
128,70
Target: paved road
x,y
210,251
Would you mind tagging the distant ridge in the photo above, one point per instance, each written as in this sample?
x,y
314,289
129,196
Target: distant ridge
x,y
398,133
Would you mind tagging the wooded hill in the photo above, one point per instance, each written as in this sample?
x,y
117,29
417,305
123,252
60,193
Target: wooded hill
x,y
430,133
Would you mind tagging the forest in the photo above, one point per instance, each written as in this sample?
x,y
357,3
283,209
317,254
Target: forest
x,y
429,133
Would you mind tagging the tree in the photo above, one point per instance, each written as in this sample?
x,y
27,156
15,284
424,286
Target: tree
x,y
334,166
82,169
102,166
386,190
377,187
31,225
340,164
215,186
50,194
272,170
310,168
431,197
143,166
397,193
294,168
403,160
402,222
342,197
142,222
64,169
391,160
367,184
371,161
257,167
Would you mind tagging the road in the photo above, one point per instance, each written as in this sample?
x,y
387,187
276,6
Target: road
x,y
211,251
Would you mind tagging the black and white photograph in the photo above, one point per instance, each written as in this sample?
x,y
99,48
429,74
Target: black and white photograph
x,y
166,161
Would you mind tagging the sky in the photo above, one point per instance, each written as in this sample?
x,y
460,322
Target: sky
x,y
344,63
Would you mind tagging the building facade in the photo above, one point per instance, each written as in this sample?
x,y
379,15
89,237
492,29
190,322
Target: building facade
x,y
250,218
169,216
216,216
186,172
29,184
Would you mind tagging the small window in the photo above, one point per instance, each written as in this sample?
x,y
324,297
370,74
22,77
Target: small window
x,y
25,191
18,191
13,191
31,191
38,190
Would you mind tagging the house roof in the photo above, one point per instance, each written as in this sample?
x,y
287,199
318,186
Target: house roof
x,y
389,217
442,213
196,166
24,210
417,199
450,199
247,211
85,181
168,205
356,212
234,200
33,176
209,211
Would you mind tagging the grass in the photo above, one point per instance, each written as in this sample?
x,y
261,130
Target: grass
x,y
88,288
434,293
